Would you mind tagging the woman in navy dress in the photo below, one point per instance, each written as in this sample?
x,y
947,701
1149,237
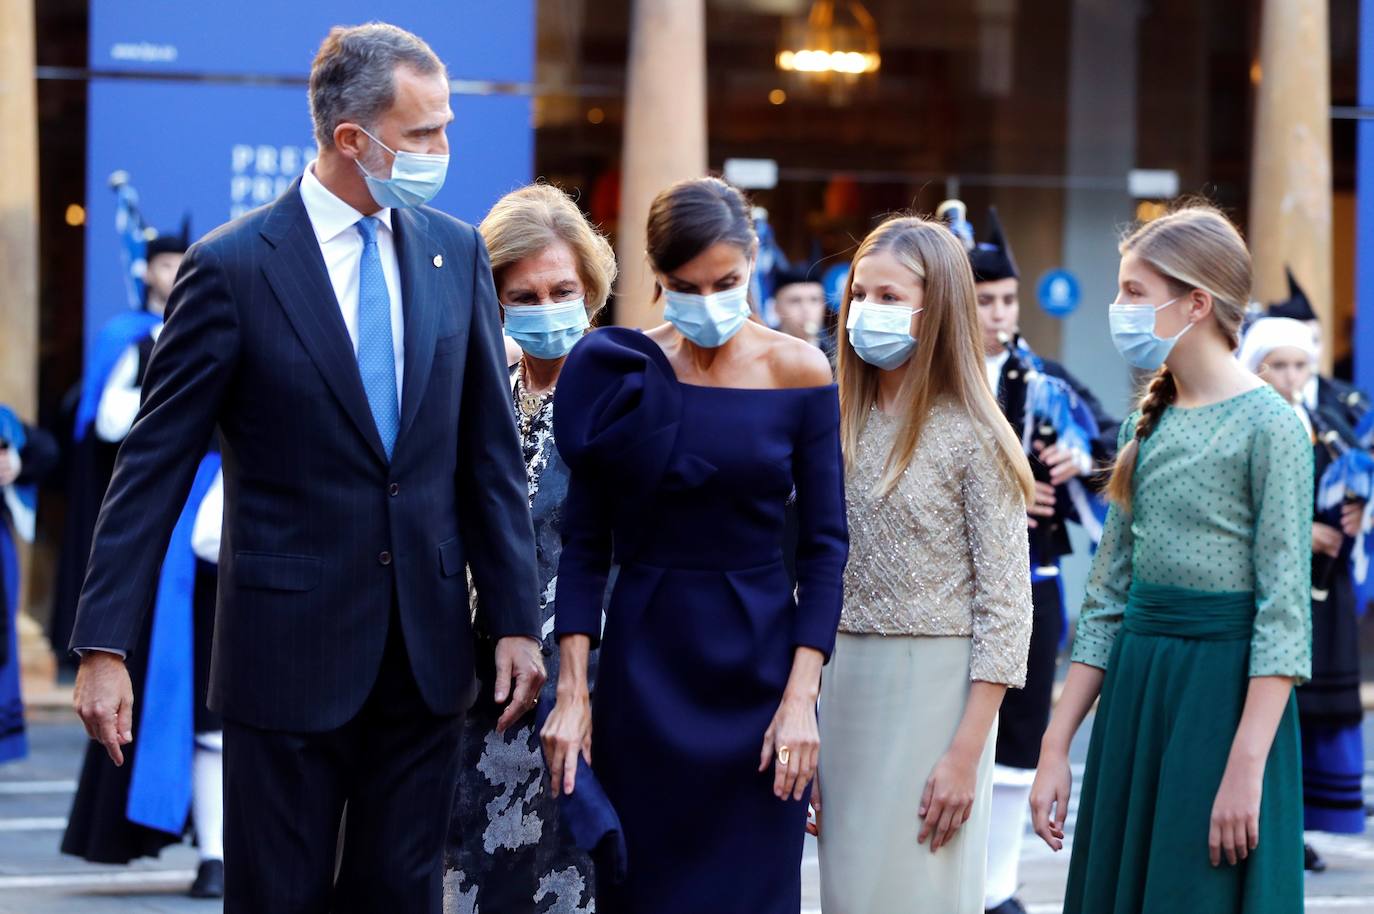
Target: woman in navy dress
x,y
685,445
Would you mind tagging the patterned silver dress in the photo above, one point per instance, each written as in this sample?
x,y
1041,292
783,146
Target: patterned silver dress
x,y
506,852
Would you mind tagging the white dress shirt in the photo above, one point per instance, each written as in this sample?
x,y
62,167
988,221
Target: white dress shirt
x,y
1309,392
209,524
993,364
334,223
122,396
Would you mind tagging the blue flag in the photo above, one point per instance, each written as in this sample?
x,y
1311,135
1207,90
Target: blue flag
x,y
133,238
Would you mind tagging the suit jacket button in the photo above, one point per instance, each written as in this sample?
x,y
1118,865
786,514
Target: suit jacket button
x,y
393,490
384,558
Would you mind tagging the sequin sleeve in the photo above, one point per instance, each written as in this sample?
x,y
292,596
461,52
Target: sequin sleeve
x,y
1280,480
1109,582
995,520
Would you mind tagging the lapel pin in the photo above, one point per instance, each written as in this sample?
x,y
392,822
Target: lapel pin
x,y
438,260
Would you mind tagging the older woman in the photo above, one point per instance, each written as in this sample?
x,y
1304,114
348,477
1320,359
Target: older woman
x,y
506,853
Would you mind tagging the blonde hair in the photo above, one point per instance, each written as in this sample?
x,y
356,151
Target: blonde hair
x,y
947,361
527,221
1193,247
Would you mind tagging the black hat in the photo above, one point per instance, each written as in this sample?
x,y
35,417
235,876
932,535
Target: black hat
x,y
169,243
1297,306
791,276
991,258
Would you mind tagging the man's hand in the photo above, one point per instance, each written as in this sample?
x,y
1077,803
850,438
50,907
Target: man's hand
x,y
1043,506
1352,518
104,700
521,659
1326,540
1063,463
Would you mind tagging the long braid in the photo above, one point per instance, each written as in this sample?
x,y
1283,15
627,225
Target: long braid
x,y
1158,396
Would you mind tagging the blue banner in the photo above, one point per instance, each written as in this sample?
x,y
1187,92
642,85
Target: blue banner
x,y
219,147
1364,208
477,39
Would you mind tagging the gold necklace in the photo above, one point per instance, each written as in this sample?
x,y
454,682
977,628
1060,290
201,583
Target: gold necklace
x,y
530,403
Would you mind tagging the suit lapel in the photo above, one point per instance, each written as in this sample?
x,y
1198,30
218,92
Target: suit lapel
x,y
297,274
421,271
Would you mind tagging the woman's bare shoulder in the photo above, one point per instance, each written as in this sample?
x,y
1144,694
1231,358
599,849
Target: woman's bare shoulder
x,y
796,363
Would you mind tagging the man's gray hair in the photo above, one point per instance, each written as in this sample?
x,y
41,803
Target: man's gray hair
x,y
354,75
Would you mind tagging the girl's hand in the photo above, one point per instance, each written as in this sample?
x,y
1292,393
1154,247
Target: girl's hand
x,y
1234,832
948,799
1049,798
813,826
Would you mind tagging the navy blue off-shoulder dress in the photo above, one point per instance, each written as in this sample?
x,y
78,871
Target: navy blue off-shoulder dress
x,y
685,487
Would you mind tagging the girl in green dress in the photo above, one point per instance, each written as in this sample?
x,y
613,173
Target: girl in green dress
x,y
1196,623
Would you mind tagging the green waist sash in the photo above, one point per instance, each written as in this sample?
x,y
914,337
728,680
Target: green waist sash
x,y
1180,612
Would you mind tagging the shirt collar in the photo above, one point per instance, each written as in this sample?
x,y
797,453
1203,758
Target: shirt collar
x,y
330,216
1309,392
995,362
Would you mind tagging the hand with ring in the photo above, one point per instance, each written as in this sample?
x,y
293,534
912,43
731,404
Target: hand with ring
x,y
792,744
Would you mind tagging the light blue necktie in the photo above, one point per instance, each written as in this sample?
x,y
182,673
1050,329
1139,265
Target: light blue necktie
x,y
376,352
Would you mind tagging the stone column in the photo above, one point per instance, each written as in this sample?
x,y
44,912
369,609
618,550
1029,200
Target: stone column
x,y
1290,183
18,209
19,256
665,134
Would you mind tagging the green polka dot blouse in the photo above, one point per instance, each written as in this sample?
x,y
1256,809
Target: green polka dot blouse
x,y
1223,502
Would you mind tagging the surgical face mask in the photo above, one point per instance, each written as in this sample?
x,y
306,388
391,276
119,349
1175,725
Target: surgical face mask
x,y
881,334
1133,333
547,331
708,320
415,178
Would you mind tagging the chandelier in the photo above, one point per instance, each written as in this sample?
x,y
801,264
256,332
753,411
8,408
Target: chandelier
x,y
823,48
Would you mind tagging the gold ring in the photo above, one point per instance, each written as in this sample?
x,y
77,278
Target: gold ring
x,y
784,755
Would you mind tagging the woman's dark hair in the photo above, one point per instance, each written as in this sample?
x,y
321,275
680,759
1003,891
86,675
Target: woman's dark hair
x,y
690,216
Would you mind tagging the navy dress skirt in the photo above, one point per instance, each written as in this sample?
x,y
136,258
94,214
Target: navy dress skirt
x,y
686,488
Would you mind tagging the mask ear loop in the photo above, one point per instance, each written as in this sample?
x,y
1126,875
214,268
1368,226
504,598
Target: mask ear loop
x,y
1186,327
369,135
359,161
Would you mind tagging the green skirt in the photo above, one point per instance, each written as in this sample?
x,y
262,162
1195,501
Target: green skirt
x,y
1171,702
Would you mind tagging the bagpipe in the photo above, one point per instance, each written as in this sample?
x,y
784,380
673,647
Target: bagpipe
x,y
1053,413
128,326
133,234
1348,479
771,261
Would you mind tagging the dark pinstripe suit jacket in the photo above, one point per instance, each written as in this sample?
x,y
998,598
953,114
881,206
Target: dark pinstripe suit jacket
x,y
320,531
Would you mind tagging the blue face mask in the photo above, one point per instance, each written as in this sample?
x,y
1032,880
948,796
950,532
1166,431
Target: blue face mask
x,y
415,178
708,320
881,334
1133,333
547,331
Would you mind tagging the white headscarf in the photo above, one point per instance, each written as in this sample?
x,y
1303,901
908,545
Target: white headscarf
x,y
1270,333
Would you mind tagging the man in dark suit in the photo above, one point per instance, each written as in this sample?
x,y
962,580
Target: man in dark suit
x,y
345,340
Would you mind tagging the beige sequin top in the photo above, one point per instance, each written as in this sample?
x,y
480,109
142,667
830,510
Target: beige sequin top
x,y
945,553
